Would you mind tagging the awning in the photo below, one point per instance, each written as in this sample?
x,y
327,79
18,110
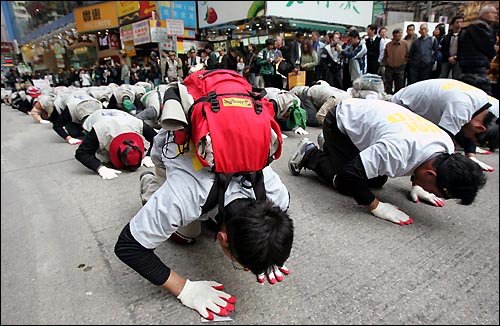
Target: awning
x,y
49,30
315,26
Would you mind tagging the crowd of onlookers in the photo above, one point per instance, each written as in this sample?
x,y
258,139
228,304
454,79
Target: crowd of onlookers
x,y
468,54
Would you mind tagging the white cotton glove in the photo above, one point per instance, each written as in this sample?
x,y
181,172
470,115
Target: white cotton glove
x,y
479,150
107,173
483,166
74,141
417,193
391,213
44,121
275,274
148,162
300,131
206,297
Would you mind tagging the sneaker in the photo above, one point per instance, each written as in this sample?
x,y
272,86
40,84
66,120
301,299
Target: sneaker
x,y
321,140
296,161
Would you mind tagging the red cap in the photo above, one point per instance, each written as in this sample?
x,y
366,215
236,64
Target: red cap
x,y
126,151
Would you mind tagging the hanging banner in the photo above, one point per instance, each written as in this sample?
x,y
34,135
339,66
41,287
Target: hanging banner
x,y
158,30
141,32
96,17
353,13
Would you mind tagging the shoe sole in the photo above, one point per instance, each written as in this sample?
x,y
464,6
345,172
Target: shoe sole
x,y
291,167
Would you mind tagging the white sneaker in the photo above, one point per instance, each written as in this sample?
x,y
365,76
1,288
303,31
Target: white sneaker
x,y
296,160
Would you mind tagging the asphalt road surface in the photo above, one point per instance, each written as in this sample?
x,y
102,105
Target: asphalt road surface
x,y
60,222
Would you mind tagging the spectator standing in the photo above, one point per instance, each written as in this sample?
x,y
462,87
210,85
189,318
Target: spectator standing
x,y
163,64
253,69
193,59
421,56
330,62
355,52
171,66
124,72
222,53
155,73
265,60
85,79
449,49
318,46
228,60
212,57
383,43
409,38
438,35
308,62
394,61
240,66
294,51
373,50
476,49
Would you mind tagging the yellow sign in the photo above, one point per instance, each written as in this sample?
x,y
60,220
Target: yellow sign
x,y
126,7
233,101
96,17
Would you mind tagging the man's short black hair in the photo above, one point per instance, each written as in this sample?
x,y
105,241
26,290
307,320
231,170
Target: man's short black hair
x,y
354,33
260,234
459,177
489,138
454,19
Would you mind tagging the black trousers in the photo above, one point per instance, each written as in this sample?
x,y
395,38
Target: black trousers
x,y
338,151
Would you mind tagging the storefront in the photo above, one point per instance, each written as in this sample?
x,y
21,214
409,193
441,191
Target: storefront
x,y
99,28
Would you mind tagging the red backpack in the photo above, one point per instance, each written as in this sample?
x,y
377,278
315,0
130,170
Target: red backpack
x,y
239,123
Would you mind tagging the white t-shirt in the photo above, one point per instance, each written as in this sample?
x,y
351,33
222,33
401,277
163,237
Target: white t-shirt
x,y
180,199
393,141
448,103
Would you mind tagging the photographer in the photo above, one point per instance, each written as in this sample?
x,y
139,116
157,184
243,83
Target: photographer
x,y
330,62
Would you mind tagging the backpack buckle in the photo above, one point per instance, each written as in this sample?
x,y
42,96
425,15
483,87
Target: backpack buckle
x,y
214,102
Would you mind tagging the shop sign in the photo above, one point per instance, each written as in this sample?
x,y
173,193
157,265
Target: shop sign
x,y
168,45
141,32
129,48
212,13
184,10
7,47
114,41
158,30
175,27
96,17
126,33
354,13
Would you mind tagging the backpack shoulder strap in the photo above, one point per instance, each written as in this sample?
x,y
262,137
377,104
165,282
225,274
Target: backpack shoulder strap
x,y
216,196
